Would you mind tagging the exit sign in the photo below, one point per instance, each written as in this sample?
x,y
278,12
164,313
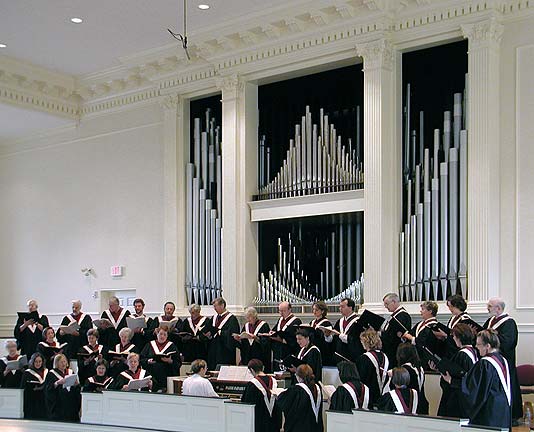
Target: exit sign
x,y
116,271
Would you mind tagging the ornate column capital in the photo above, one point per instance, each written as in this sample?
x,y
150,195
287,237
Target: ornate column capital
x,y
171,101
376,54
231,86
484,34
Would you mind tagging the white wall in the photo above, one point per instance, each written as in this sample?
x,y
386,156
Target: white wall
x,y
515,201
91,197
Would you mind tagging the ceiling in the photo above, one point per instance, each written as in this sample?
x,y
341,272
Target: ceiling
x,y
40,32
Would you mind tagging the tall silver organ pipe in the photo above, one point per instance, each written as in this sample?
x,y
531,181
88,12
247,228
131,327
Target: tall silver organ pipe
x,y
433,242
317,161
203,213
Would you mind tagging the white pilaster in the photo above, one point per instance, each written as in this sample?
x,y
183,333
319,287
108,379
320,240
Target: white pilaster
x,y
382,175
483,216
175,138
240,161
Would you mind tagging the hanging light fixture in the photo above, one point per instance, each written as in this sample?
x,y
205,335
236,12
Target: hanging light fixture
x,y
180,37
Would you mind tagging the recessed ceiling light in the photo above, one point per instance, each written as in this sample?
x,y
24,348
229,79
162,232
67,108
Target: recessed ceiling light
x,y
203,6
76,20
3,45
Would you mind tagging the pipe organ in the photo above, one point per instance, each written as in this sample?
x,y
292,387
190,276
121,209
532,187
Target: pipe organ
x,y
204,216
433,242
317,161
315,263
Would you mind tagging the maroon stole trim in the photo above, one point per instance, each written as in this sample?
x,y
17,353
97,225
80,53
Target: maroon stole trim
x,y
361,395
407,408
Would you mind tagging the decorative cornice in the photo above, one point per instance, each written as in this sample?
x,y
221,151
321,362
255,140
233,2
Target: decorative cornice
x,y
376,54
231,86
484,34
171,102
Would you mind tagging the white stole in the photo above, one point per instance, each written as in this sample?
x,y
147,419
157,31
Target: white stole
x,y
398,403
316,404
269,403
505,381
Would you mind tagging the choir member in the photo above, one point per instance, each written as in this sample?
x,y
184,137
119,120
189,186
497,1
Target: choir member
x,y
32,383
222,346
422,334
112,321
251,345
77,338
408,358
302,403
161,359
50,347
118,354
457,306
486,388
89,355
141,336
10,378
353,393
169,320
373,365
282,336
62,403
465,357
197,384
309,354
101,380
320,311
399,321
346,338
28,332
259,392
194,342
506,328
402,399
134,372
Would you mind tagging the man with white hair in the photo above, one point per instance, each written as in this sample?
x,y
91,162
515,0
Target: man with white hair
x,y
283,335
194,343
112,321
399,321
29,328
75,338
506,329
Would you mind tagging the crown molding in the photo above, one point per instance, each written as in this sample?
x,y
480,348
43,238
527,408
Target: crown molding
x,y
302,35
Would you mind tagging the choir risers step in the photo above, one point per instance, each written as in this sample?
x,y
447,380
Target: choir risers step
x,y
310,205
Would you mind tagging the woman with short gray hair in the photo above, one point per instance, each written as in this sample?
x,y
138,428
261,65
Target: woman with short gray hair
x,y
250,341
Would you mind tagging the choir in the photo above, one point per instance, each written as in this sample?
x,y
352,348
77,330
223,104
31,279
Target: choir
x,y
381,365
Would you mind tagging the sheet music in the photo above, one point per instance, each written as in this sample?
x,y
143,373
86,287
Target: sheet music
x,y
234,373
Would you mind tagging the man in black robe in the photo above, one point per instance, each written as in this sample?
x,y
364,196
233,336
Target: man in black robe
x,y
346,337
114,320
141,336
76,339
169,320
29,329
506,329
222,346
194,342
399,321
283,335
486,388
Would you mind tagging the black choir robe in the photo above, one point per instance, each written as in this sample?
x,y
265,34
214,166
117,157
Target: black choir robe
x,y
110,335
342,399
369,374
451,404
222,346
255,393
417,383
89,369
126,376
288,334
318,339
34,401
143,336
424,337
252,349
50,351
449,348
160,370
174,334
96,384
353,348
74,343
408,395
28,339
117,366
12,379
485,397
299,408
61,404
506,329
194,343
312,357
400,321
